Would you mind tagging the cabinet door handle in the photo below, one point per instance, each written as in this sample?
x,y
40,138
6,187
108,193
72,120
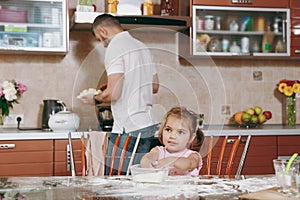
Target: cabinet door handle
x,y
297,51
231,141
7,146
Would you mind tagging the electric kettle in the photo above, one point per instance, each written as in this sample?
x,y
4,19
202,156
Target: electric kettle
x,y
51,106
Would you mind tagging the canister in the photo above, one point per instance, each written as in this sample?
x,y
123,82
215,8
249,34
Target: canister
x,y
209,22
112,6
245,44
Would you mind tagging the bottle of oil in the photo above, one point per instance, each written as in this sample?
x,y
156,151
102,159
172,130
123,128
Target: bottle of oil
x,y
112,6
148,7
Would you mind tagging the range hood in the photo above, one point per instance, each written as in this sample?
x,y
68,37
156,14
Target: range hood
x,y
82,21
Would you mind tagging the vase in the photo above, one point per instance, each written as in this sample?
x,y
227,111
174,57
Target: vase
x,y
1,120
291,111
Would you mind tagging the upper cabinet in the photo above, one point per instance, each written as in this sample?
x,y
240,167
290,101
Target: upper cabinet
x,y
240,30
295,27
245,28
34,26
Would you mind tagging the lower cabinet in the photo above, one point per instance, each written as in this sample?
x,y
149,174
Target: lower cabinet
x,y
262,150
62,160
26,158
288,145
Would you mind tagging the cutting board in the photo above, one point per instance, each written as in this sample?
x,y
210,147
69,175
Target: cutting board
x,y
268,194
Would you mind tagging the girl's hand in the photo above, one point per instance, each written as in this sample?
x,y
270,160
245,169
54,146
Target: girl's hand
x,y
165,162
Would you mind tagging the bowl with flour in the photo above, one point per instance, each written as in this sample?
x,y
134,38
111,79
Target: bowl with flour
x,y
148,175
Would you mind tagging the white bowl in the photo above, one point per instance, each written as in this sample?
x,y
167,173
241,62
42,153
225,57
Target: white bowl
x,y
148,175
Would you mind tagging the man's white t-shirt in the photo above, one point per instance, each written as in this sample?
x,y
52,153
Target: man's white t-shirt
x,y
127,55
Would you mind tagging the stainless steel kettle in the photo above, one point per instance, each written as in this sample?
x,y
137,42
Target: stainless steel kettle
x,y
51,106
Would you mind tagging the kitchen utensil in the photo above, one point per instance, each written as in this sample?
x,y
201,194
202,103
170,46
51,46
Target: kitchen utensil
x,y
51,106
64,121
148,175
105,118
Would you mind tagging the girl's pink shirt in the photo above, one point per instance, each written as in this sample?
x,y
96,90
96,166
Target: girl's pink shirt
x,y
163,153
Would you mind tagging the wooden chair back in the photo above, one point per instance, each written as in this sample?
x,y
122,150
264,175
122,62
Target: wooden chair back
x,y
224,155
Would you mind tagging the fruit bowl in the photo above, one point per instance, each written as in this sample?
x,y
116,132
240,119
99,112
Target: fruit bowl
x,y
249,125
252,117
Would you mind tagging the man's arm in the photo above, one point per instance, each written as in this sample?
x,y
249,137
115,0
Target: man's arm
x,y
155,83
113,90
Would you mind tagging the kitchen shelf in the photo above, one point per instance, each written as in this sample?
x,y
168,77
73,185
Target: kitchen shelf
x,y
235,32
34,26
267,28
82,21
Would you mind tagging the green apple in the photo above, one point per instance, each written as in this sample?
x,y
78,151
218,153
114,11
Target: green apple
x,y
254,119
258,110
250,111
262,118
246,117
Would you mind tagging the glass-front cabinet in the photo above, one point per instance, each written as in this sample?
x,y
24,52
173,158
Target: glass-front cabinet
x,y
34,26
240,31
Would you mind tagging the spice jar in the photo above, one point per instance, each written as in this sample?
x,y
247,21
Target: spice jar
x,y
148,7
112,6
209,22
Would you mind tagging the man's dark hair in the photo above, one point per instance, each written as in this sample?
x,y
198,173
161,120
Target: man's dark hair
x,y
105,20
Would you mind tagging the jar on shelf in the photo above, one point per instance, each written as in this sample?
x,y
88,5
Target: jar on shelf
x,y
234,48
218,23
148,7
233,26
112,6
245,44
200,23
209,22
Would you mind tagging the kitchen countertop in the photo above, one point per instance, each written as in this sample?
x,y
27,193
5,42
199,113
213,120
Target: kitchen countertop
x,y
212,130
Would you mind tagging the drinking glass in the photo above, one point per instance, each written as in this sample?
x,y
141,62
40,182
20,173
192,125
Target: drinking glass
x,y
287,180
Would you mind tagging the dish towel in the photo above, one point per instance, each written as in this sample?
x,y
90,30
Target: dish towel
x,y
95,153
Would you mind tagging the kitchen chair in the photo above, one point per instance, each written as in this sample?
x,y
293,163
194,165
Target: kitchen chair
x,y
119,160
72,161
122,157
230,151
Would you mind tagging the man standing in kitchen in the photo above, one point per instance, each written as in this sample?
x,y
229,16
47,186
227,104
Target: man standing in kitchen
x,y
131,82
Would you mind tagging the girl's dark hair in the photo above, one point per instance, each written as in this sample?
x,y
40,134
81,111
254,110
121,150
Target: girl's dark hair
x,y
188,117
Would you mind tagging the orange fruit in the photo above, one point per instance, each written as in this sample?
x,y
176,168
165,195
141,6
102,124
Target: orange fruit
x,y
238,117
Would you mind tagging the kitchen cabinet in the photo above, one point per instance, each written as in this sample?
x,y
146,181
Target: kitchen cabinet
x,y
288,145
244,3
62,162
34,26
240,31
26,158
262,150
295,27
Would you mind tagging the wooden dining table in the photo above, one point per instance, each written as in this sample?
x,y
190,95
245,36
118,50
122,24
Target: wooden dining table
x,y
123,187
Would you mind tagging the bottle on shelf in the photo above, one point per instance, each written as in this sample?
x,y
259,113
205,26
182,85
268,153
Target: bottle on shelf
x,y
112,6
234,48
218,23
168,9
148,7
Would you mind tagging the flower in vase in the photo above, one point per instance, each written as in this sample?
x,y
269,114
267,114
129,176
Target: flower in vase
x,y
289,87
10,92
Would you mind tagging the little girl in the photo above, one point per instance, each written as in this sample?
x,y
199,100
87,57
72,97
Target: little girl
x,y
182,139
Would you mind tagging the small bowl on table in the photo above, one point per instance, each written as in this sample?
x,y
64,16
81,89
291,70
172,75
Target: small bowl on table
x,y
148,175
